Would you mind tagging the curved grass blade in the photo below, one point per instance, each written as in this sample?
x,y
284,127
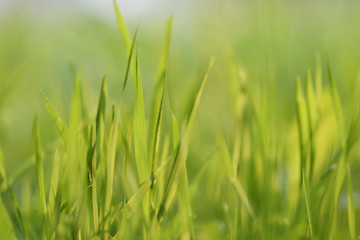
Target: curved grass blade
x,y
62,128
180,158
159,94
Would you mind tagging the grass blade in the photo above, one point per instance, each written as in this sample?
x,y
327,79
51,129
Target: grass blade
x,y
123,29
180,158
62,128
39,168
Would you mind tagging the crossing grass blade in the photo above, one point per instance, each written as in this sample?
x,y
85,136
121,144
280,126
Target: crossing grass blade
x,y
235,182
180,158
39,167
61,126
130,58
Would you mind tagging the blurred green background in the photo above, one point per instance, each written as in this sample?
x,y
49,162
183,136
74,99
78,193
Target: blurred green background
x,y
273,41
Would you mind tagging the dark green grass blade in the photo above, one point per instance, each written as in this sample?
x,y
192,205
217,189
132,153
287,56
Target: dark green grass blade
x,y
129,63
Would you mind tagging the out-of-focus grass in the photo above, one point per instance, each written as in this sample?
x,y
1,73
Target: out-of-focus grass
x,y
267,158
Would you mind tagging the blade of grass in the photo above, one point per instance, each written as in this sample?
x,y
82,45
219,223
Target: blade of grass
x,y
39,167
140,145
180,158
157,101
62,128
312,118
111,164
123,29
351,209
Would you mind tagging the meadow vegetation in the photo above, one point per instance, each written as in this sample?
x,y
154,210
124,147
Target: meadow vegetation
x,y
220,147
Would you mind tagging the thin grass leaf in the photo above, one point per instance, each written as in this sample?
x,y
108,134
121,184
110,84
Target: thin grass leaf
x,y
123,29
337,107
112,143
301,115
155,149
100,118
140,144
62,128
130,58
312,118
230,171
157,101
307,204
54,183
180,158
39,168
351,208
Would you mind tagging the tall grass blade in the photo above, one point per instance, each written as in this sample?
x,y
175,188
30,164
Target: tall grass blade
x,y
39,168
180,158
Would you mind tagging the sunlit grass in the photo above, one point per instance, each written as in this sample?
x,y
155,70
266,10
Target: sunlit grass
x,y
119,172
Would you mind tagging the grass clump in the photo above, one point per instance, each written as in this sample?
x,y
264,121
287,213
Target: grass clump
x,y
120,173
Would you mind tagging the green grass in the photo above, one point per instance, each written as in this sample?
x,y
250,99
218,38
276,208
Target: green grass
x,y
229,157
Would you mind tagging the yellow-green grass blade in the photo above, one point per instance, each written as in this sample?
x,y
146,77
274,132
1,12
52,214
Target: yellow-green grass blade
x,y
157,101
6,227
230,172
155,149
185,204
100,118
337,107
110,160
132,205
312,119
180,158
123,29
61,126
307,202
131,53
351,209
301,116
39,168
54,183
175,133
140,145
